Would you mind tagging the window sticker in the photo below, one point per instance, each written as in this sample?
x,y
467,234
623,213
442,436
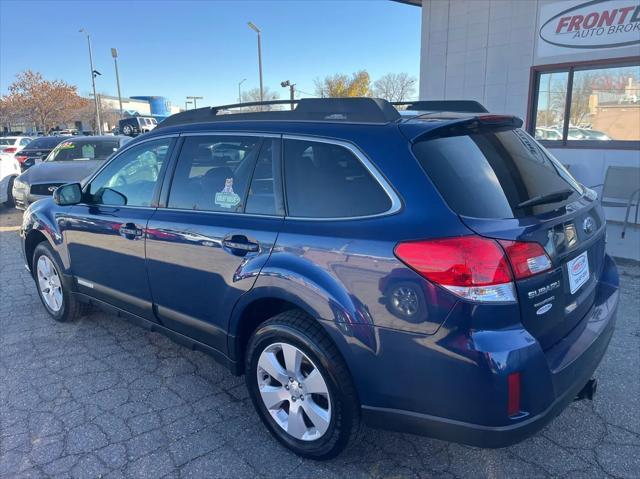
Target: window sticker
x,y
66,145
88,151
227,198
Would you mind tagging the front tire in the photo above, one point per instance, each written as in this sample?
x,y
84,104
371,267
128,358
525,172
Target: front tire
x,y
301,387
9,203
53,287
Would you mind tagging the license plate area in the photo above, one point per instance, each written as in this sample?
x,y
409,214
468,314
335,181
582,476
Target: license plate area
x,y
578,272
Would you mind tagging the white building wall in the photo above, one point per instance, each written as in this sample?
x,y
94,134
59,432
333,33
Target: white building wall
x,y
480,50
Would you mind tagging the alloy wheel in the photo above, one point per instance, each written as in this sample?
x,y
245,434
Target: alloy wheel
x,y
49,283
294,391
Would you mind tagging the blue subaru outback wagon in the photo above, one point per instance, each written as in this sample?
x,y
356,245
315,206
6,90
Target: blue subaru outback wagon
x,y
435,271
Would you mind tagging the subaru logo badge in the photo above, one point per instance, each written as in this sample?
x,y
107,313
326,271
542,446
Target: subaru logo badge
x,y
588,225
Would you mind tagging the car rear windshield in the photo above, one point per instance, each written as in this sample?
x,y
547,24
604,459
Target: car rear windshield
x,y
491,174
45,142
83,150
7,141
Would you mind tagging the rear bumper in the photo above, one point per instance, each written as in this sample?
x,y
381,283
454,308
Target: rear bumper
x,y
470,397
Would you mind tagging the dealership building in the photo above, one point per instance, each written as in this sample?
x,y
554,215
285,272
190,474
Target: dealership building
x,y
570,69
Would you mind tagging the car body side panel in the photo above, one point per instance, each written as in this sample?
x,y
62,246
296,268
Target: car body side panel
x,y
195,279
49,219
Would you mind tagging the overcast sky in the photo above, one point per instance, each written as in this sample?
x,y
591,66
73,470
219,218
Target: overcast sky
x,y
204,48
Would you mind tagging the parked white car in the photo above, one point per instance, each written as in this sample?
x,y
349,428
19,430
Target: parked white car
x,y
12,144
9,170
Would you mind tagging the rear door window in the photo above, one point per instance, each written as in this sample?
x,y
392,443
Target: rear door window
x,y
325,180
490,174
213,173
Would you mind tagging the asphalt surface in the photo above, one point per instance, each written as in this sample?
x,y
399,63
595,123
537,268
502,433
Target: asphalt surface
x,y
103,398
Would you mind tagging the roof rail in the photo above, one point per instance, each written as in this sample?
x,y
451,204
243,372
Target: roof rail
x,y
338,110
454,106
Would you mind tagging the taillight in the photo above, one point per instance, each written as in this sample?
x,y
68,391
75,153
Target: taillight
x,y
11,149
471,267
527,259
21,159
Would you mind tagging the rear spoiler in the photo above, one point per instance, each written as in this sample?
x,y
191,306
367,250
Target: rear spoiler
x,y
462,126
454,106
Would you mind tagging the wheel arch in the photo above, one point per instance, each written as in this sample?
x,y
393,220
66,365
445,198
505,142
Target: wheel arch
x,y
264,302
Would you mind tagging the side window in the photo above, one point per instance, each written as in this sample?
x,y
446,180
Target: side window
x,y
130,179
264,193
213,173
324,180
25,141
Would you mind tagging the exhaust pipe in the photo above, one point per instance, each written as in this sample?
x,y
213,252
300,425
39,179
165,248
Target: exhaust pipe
x,y
588,391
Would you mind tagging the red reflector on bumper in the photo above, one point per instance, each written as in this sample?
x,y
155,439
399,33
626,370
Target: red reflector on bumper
x,y
513,402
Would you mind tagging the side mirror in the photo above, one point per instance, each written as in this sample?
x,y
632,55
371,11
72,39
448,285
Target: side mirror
x,y
70,194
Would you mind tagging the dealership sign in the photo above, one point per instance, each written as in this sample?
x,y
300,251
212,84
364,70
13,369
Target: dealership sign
x,y
590,25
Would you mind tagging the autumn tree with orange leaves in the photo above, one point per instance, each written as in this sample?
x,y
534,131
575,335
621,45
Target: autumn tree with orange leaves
x,y
45,103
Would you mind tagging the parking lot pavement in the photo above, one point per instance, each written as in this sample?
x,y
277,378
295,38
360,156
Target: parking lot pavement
x,y
104,398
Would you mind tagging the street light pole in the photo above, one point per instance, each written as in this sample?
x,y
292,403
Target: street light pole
x,y
195,100
186,103
114,54
257,30
93,81
240,91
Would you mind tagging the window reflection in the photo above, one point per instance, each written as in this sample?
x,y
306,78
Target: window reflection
x,y
552,98
605,104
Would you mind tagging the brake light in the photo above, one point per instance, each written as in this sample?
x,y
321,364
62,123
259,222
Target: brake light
x,y
11,149
526,258
21,159
471,267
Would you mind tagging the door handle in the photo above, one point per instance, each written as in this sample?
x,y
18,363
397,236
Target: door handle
x,y
241,244
128,230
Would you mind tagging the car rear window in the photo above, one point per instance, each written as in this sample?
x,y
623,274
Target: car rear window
x,y
488,174
46,142
7,141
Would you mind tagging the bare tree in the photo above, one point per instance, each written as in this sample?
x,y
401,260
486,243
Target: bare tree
x,y
253,95
395,87
342,85
43,102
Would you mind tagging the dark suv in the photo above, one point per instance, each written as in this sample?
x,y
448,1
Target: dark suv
x,y
432,272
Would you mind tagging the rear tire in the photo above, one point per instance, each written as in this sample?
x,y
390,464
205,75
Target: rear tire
x,y
313,409
54,289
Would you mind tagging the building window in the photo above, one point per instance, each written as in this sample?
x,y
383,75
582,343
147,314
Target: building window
x,y
587,104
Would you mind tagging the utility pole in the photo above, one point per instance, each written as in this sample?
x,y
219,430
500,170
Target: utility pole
x,y
195,100
239,90
292,91
114,54
93,81
186,103
257,30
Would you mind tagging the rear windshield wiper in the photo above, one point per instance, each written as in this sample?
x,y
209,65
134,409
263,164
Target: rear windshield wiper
x,y
548,198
